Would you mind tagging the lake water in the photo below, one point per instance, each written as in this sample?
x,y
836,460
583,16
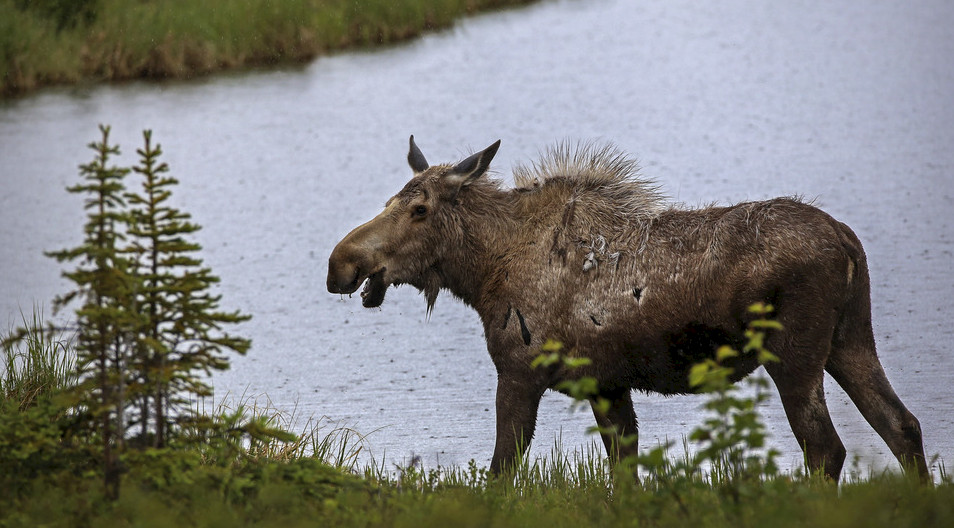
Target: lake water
x,y
849,104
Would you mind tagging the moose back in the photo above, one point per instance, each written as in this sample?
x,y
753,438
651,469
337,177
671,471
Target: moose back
x,y
585,252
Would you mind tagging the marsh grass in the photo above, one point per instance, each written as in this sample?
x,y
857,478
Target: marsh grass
x,y
251,471
37,360
581,468
318,438
184,38
315,477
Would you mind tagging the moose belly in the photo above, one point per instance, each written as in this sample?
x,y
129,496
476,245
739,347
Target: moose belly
x,y
655,362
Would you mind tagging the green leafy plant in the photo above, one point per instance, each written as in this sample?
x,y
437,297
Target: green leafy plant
x,y
732,438
581,389
731,453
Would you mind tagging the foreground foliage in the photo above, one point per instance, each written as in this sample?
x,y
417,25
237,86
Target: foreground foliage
x,y
177,488
44,42
239,477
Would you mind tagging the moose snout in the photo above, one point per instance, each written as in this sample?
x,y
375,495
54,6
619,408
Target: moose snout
x,y
343,277
343,272
353,260
349,264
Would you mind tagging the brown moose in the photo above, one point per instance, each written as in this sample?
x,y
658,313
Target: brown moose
x,y
585,252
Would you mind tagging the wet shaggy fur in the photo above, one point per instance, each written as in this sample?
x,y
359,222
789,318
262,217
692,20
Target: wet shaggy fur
x,y
586,252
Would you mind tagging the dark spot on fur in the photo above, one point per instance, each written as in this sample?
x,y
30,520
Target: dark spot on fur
x,y
697,342
912,434
638,293
774,295
523,329
595,320
569,213
556,248
506,318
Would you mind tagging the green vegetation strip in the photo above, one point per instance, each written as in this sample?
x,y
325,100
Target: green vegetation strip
x,y
48,42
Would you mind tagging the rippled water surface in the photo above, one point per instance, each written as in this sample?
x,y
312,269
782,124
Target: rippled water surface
x,y
848,104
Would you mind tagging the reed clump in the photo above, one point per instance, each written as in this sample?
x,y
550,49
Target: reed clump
x,y
48,42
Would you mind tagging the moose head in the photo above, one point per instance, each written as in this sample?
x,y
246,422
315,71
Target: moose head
x,y
406,241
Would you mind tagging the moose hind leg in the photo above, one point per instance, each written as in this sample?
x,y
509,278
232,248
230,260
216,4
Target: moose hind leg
x,y
617,423
803,397
861,375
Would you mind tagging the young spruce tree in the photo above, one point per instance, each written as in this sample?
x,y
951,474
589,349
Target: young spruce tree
x,y
147,324
107,318
182,332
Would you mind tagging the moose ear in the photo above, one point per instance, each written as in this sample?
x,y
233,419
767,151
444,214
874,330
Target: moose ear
x,y
415,158
473,167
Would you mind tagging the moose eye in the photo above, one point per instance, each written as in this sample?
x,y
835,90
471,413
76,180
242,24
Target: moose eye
x,y
419,211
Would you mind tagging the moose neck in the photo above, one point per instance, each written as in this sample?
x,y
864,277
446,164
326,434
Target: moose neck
x,y
485,220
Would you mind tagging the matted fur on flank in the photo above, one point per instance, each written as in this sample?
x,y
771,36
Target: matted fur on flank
x,y
585,251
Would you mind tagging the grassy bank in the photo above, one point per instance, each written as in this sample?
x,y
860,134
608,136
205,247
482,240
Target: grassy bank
x,y
180,488
49,478
307,493
48,42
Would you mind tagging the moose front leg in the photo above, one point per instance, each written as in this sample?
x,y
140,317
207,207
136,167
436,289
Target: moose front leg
x,y
616,419
518,399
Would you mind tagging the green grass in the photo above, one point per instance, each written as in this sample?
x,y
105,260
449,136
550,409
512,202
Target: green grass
x,y
175,489
186,38
39,364
314,479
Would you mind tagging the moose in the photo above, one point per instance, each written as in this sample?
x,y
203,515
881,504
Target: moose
x,y
585,251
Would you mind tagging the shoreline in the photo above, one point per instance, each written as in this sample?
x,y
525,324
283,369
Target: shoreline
x,y
124,41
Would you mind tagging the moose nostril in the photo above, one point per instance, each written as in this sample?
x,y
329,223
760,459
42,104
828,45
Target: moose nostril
x,y
354,281
343,280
